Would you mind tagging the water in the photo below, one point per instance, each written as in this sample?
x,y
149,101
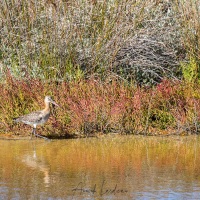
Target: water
x,y
117,167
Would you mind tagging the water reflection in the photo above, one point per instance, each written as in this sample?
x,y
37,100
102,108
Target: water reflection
x,y
107,168
34,162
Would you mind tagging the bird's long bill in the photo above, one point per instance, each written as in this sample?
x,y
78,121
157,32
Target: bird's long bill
x,y
54,103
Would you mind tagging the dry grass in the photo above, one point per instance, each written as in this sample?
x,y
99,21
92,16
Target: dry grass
x,y
137,40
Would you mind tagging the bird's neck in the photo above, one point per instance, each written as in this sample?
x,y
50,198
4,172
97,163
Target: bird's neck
x,y
47,107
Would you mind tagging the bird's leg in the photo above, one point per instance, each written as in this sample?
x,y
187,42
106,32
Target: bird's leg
x,y
41,136
33,132
36,135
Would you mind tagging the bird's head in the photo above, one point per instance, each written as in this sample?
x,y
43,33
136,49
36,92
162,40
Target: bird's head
x,y
48,99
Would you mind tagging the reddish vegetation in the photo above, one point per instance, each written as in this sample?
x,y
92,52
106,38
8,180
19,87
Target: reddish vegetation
x,y
91,106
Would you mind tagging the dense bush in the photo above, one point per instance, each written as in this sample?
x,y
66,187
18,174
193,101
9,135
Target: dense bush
x,y
142,41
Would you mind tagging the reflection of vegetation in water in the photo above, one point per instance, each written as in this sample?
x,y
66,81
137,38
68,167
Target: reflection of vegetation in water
x,y
128,161
107,154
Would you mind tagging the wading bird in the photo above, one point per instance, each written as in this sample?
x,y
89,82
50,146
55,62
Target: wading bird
x,y
37,117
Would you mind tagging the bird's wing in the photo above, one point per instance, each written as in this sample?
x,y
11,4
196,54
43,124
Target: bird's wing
x,y
31,117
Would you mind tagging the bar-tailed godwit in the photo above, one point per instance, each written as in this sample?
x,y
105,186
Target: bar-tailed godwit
x,y
37,117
